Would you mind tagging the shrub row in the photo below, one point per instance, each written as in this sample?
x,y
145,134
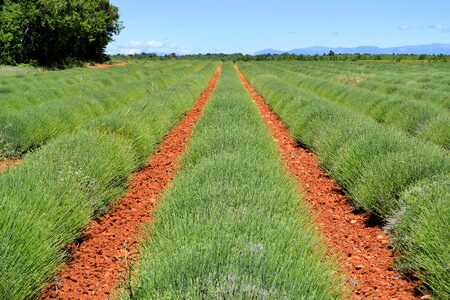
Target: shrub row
x,y
376,164
47,199
24,90
33,126
421,234
230,226
424,82
417,118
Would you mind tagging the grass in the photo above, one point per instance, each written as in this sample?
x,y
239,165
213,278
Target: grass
x,y
155,113
19,133
424,82
10,71
47,200
421,119
24,90
232,225
375,163
420,231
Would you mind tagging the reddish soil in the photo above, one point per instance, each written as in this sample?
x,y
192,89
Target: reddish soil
x,y
4,164
104,66
97,263
363,250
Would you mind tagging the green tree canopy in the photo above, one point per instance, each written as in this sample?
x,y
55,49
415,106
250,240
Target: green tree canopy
x,y
49,32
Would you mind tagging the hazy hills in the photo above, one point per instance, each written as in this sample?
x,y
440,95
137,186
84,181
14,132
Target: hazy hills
x,y
434,48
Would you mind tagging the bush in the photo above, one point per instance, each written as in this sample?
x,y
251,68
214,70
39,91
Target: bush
x,y
50,32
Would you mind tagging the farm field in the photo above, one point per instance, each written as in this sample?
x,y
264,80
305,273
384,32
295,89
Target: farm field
x,y
418,81
388,173
425,116
85,98
56,190
234,222
238,231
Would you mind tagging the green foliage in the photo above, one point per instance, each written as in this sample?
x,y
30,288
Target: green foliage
x,y
230,227
421,233
47,200
376,164
70,108
418,118
146,120
419,81
234,57
51,32
22,87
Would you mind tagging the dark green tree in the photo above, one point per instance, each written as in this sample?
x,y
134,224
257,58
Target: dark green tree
x,y
49,32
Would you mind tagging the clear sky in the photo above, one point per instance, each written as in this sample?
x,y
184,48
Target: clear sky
x,y
248,26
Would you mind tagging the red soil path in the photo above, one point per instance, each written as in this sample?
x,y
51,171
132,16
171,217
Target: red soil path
x,y
4,164
104,66
363,251
97,264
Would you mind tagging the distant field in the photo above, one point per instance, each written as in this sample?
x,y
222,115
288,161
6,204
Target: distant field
x,y
413,98
40,107
232,224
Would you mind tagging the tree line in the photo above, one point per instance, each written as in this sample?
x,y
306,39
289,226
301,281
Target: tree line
x,y
54,32
331,56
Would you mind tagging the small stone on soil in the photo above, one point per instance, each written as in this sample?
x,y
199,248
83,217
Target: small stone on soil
x,y
353,282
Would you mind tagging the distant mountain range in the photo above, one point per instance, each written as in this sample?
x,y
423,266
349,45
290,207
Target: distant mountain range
x,y
418,49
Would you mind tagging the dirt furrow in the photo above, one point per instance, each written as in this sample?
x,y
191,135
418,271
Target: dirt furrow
x,y
97,262
104,66
4,164
363,249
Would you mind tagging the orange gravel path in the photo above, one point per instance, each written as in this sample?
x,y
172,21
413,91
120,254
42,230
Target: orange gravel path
x,y
104,66
4,164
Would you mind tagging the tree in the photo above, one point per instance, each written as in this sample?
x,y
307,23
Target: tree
x,y
49,32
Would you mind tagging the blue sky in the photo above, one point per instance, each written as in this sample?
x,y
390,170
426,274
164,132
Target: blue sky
x,y
248,26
